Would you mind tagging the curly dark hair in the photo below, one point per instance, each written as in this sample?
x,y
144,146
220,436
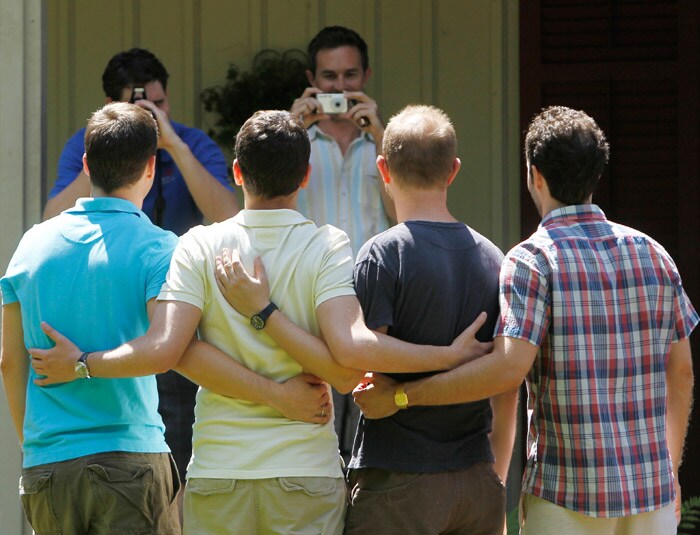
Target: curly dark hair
x,y
569,149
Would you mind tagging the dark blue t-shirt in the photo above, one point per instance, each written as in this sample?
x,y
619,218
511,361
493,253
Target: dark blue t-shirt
x,y
427,281
180,212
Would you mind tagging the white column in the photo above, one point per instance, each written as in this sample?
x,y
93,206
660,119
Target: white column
x,y
22,170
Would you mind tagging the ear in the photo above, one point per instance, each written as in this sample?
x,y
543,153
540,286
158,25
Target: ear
x,y
108,100
368,73
151,167
85,165
383,169
237,175
310,77
456,164
537,178
305,181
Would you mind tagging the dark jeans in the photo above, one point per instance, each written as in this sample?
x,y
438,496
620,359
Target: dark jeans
x,y
112,492
176,400
466,502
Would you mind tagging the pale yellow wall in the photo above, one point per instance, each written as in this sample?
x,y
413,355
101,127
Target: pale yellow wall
x,y
460,55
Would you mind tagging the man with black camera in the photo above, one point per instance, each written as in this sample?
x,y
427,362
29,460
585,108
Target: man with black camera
x,y
346,135
190,183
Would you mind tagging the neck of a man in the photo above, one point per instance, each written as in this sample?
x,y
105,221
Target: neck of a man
x,y
422,205
130,194
257,202
343,131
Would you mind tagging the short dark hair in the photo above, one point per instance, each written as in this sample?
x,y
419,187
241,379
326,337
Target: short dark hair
x,y
569,149
335,37
420,146
132,67
119,140
272,149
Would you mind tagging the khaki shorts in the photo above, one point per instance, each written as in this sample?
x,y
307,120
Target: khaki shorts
x,y
299,505
541,517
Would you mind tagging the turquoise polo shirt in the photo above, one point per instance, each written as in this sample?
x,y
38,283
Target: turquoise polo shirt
x,y
89,272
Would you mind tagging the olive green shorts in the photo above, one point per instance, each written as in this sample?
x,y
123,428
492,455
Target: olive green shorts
x,y
112,492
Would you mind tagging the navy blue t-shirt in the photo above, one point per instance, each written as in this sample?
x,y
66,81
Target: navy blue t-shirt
x,y
427,281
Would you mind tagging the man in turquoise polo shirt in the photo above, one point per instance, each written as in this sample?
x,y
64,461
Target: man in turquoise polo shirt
x,y
95,457
90,447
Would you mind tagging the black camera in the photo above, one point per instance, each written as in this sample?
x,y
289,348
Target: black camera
x,y
138,93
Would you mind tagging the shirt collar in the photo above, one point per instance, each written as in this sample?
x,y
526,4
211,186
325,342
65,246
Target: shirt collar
x,y
576,213
269,218
104,204
314,131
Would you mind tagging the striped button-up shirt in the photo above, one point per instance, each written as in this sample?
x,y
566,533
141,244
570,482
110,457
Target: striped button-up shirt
x,y
344,191
603,302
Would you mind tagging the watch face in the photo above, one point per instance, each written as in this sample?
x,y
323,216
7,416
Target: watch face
x,y
257,322
401,400
81,370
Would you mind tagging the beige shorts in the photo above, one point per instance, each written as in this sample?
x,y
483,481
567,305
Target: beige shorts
x,y
300,505
541,517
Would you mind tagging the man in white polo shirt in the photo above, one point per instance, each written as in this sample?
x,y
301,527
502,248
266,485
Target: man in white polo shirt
x,y
252,468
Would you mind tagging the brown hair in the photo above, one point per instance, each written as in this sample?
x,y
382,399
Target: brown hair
x,y
420,146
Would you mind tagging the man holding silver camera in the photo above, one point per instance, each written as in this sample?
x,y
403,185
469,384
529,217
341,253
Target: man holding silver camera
x,y
346,135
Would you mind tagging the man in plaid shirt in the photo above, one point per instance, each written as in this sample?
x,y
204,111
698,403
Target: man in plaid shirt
x,y
594,315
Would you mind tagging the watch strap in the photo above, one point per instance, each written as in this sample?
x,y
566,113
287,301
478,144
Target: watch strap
x,y
258,320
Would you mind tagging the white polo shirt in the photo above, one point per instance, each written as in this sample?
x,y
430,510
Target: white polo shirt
x,y
306,266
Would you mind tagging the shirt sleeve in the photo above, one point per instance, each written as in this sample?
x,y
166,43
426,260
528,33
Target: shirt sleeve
x,y
523,297
160,259
70,164
375,284
685,316
335,274
185,280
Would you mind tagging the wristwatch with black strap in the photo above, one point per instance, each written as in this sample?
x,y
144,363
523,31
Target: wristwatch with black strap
x,y
82,371
258,320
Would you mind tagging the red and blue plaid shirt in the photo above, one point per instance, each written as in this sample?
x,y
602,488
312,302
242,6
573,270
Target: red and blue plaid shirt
x,y
603,302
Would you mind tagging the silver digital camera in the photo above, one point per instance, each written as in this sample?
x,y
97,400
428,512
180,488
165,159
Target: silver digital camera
x,y
333,103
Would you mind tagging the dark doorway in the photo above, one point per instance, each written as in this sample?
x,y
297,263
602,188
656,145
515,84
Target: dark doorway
x,y
633,66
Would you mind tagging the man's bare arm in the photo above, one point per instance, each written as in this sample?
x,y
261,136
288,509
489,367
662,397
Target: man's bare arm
x,y
14,365
172,328
348,341
213,199
679,400
303,397
162,347
504,407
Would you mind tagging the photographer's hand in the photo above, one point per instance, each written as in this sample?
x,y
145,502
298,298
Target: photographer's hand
x,y
307,109
167,138
367,109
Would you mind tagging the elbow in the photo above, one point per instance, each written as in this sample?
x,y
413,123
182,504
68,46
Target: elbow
x,y
163,358
512,381
347,384
349,355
